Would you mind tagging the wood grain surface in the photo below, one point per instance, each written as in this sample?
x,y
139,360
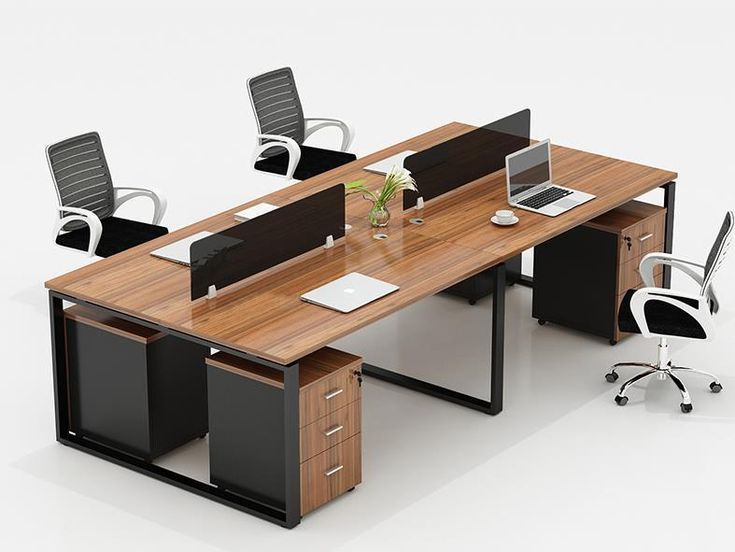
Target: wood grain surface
x,y
264,315
117,326
330,430
331,473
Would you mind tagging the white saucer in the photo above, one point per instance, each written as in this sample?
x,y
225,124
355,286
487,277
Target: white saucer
x,y
512,221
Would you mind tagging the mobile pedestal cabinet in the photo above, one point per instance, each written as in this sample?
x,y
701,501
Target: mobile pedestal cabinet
x,y
131,387
246,448
581,276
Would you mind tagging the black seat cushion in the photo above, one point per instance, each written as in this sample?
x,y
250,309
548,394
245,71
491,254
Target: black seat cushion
x,y
662,318
118,234
313,161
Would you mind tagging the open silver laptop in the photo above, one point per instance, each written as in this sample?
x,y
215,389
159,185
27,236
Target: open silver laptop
x,y
349,292
530,187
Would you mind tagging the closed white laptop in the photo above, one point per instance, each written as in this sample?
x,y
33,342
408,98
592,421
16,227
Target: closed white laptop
x,y
349,292
178,251
385,165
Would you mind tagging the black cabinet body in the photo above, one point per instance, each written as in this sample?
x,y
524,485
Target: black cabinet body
x,y
142,398
246,438
575,280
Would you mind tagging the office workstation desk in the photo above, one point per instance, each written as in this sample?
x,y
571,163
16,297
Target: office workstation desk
x,y
260,323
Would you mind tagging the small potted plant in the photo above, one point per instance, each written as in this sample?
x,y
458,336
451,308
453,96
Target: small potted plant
x,y
397,180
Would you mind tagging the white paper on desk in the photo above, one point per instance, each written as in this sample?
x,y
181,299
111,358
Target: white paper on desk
x,y
254,211
385,165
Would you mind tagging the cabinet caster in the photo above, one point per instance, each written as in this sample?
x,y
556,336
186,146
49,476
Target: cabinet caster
x,y
350,490
613,342
612,377
686,408
541,322
472,301
715,387
622,401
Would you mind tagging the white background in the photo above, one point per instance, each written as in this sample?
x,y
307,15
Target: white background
x,y
562,468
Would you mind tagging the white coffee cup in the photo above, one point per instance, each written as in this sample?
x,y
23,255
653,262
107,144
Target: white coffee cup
x,y
504,215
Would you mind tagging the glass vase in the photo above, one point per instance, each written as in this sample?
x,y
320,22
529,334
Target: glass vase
x,y
379,216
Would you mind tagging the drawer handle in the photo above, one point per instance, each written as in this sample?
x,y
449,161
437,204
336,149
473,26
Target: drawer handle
x,y
645,237
333,394
332,430
331,472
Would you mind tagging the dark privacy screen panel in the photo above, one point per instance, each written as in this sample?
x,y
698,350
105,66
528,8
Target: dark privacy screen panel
x,y
265,241
456,162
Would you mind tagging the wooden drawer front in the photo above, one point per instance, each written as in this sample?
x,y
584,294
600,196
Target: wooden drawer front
x,y
646,236
330,474
330,430
329,395
630,276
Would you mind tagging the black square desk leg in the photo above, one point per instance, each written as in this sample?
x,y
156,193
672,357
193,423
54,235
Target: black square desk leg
x,y
498,342
292,475
58,363
669,201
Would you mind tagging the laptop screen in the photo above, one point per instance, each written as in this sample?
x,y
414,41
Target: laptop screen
x,y
529,168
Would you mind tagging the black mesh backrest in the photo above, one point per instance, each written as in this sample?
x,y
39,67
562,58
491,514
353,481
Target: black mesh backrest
x,y
277,106
719,250
81,176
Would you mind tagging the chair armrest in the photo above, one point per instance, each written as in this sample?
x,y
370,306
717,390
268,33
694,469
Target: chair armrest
x,y
159,201
348,133
678,299
650,261
293,149
82,215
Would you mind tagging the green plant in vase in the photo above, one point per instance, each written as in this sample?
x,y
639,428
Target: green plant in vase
x,y
397,180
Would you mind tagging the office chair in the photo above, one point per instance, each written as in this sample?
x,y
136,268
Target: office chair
x,y
668,314
282,130
88,201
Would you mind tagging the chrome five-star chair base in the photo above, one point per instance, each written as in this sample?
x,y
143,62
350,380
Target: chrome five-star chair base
x,y
663,369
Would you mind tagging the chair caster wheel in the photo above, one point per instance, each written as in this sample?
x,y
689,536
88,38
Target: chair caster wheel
x,y
472,301
622,401
686,408
541,322
715,387
612,377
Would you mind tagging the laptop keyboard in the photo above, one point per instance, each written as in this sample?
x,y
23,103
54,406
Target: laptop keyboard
x,y
542,199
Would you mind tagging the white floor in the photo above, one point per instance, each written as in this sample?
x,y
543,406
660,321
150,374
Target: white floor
x,y
563,467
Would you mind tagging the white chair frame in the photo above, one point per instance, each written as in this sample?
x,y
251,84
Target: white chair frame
x,y
92,220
